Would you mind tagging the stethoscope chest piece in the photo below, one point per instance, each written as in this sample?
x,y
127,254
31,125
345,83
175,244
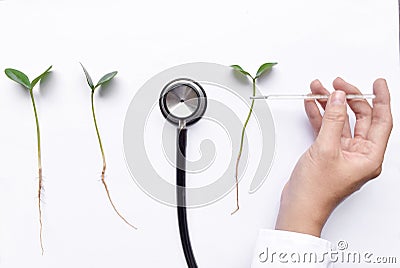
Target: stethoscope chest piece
x,y
183,101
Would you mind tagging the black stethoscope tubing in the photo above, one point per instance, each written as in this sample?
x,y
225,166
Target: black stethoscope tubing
x,y
181,197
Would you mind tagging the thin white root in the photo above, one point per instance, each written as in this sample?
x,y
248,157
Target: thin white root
x,y
237,185
40,210
109,198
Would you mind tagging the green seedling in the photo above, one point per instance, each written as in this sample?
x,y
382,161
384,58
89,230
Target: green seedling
x,y
264,68
106,78
22,79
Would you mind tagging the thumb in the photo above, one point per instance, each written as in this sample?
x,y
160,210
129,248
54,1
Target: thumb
x,y
333,121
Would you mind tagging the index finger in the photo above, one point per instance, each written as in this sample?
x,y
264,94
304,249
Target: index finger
x,y
360,107
382,122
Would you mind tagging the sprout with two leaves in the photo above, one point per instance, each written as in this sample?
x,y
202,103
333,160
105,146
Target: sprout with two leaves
x,y
22,79
262,70
106,78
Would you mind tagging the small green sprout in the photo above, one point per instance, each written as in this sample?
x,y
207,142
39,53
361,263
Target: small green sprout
x,y
106,78
22,79
262,70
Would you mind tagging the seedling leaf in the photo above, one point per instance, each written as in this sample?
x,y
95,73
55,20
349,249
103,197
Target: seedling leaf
x,y
88,78
240,69
106,78
265,67
40,77
19,77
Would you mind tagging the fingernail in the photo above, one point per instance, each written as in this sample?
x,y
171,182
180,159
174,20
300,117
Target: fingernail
x,y
338,97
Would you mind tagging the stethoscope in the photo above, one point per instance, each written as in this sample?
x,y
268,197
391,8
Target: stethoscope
x,y
183,102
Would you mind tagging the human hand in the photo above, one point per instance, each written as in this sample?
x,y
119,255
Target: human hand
x,y
337,164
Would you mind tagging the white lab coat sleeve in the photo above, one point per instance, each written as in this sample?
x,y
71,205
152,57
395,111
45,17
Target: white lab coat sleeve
x,y
283,249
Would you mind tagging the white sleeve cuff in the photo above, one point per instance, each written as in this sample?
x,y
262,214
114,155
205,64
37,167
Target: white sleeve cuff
x,y
277,248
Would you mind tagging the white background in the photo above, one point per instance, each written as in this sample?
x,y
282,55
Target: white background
x,y
310,39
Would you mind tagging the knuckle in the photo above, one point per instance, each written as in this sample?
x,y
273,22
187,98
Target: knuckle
x,y
335,116
390,123
384,120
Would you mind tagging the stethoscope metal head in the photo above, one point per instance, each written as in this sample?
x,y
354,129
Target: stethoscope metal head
x,y
183,102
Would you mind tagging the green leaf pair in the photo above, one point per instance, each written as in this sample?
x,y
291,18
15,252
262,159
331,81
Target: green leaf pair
x,y
102,80
263,69
22,79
